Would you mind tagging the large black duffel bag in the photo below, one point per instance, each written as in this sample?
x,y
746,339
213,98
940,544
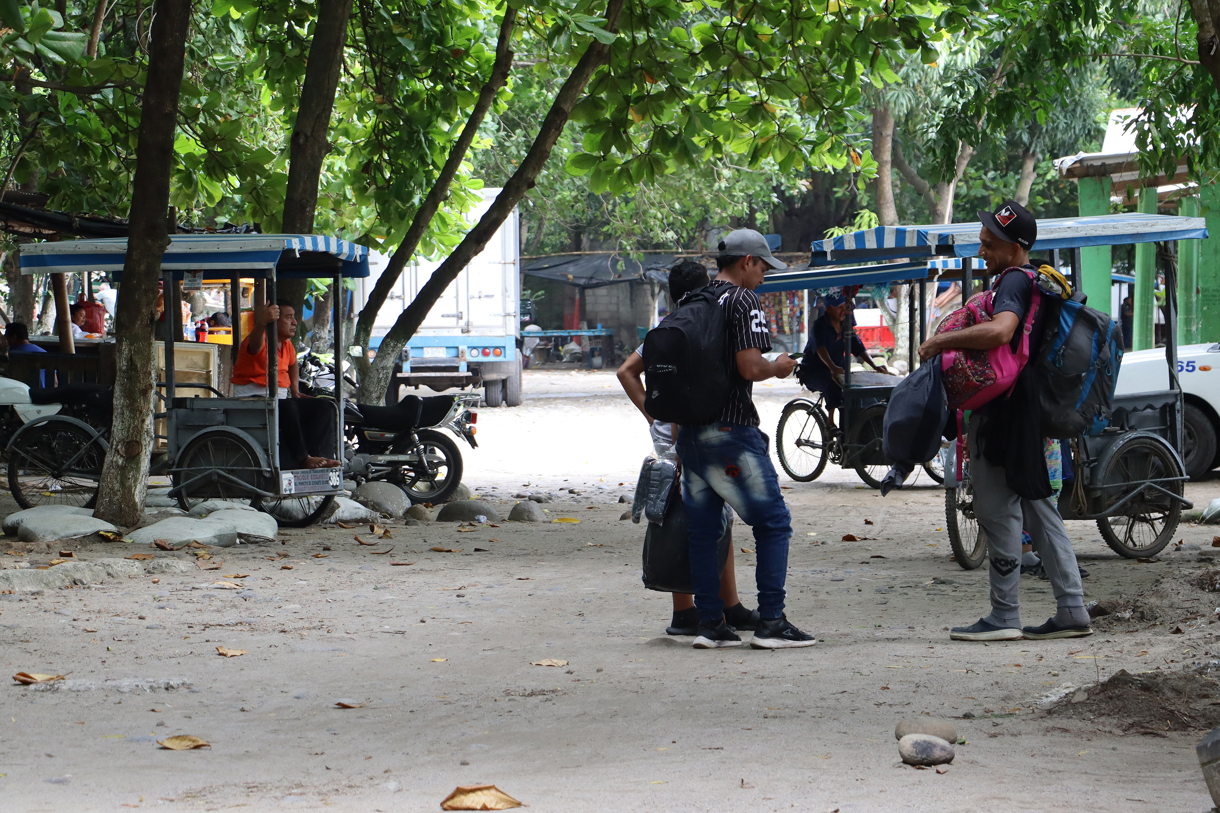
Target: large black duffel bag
x,y
667,549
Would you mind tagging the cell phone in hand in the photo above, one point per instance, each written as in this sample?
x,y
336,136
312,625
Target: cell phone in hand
x,y
795,356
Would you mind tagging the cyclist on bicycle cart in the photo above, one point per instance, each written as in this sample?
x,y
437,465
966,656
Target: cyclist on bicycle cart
x,y
825,357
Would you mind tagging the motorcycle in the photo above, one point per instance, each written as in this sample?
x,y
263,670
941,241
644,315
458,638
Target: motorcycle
x,y
400,444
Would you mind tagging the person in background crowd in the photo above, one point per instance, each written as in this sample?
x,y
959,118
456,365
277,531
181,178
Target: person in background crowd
x,y
1005,239
685,277
825,356
17,335
728,460
78,321
1128,317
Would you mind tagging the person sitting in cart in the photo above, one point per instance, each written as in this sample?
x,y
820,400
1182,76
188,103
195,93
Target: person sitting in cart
x,y
299,447
1005,239
825,356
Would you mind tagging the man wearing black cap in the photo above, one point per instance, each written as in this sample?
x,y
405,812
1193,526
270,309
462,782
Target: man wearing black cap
x,y
728,460
1004,242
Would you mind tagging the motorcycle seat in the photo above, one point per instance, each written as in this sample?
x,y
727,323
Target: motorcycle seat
x,y
398,418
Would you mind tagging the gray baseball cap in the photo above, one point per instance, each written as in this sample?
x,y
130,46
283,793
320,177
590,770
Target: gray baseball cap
x,y
741,242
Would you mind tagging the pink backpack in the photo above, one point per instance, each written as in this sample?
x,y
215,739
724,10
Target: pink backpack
x,y
974,377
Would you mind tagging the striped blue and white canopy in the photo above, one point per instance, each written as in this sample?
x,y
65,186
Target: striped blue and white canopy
x,y
823,279
219,256
962,239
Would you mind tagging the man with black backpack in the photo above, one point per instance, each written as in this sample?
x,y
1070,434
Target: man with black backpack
x,y
1007,429
725,457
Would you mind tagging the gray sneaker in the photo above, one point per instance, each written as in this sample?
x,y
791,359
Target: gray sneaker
x,y
984,630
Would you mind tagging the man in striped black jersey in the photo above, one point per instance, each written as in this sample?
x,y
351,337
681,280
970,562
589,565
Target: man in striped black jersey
x,y
727,460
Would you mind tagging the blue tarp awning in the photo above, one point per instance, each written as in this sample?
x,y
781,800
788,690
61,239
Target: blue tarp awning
x,y
219,256
962,239
824,278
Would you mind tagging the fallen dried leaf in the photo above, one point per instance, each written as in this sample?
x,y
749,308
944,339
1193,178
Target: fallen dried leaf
x,y
480,550
549,662
90,629
1216,541
362,542
343,705
345,526
226,585
213,566
747,550
466,530
524,578
195,543
163,544
439,660
183,742
569,520
285,567
381,552
446,550
493,540
13,553
377,530
868,522
478,797
942,769
320,556
68,554
27,678
55,562
230,653
110,536
401,564
876,556
850,538
237,575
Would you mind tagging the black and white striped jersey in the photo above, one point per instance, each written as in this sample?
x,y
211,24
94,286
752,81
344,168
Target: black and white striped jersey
x,y
746,327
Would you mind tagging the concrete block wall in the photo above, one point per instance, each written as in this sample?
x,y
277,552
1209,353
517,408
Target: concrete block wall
x,y
620,308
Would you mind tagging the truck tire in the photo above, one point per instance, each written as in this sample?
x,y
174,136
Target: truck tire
x,y
512,386
1198,442
493,392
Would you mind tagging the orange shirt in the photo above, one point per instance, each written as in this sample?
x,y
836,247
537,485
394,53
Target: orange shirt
x,y
251,368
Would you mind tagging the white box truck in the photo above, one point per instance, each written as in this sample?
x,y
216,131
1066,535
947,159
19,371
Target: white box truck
x,y
469,338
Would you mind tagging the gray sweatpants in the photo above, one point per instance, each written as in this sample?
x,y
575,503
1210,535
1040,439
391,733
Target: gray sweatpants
x,y
1002,515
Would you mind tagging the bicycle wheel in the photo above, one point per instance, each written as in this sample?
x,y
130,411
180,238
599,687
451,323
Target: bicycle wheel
x,y
1150,517
295,512
864,446
435,470
968,540
936,470
216,465
55,462
801,441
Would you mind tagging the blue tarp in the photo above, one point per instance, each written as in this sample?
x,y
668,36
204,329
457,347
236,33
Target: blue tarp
x,y
962,239
251,255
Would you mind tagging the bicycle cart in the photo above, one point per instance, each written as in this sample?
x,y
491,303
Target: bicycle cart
x,y
1128,477
805,439
215,447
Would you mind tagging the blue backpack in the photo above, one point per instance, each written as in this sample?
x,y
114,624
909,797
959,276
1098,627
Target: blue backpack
x,y
1077,362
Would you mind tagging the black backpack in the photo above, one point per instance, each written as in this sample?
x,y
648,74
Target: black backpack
x,y
686,379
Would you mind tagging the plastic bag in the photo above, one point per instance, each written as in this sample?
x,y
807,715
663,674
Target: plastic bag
x,y
667,550
656,487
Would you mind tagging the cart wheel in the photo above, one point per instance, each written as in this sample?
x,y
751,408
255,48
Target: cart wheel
x,y
295,512
493,393
55,462
202,465
802,441
1150,518
936,470
437,475
968,540
864,446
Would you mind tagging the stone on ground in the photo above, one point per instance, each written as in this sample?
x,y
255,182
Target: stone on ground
x,y
926,725
527,511
212,506
384,498
419,513
460,494
351,511
924,749
467,511
251,526
74,573
60,526
13,521
222,529
159,498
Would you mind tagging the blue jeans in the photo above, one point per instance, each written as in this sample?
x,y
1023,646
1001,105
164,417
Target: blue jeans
x,y
727,463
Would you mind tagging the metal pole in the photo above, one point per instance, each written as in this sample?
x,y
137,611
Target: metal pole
x,y
337,294
910,329
1076,272
63,314
235,314
923,311
273,379
172,310
849,338
1171,352
967,279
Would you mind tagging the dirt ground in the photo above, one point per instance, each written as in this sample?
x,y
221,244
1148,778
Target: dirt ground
x,y
437,656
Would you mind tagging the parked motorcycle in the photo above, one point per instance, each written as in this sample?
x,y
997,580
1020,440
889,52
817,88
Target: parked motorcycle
x,y
401,444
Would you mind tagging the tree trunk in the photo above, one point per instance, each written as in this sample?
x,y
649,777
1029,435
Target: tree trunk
x,y
1207,16
883,154
310,144
95,31
427,210
319,323
373,385
20,289
1029,167
125,474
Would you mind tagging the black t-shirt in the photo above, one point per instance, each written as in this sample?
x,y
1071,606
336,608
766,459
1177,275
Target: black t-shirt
x,y
746,327
1013,293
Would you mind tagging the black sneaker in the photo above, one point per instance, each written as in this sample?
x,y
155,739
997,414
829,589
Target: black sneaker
x,y
1053,629
984,630
684,622
717,637
778,633
741,619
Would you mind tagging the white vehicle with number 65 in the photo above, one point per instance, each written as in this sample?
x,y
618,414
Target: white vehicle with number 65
x,y
1199,375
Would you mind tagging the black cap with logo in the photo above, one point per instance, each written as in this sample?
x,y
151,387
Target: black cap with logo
x,y
1012,223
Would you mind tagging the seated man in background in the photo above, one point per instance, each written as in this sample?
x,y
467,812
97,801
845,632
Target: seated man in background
x,y
825,356
18,337
298,448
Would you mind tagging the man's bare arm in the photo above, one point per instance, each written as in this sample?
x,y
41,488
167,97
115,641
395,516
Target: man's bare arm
x,y
985,336
630,376
753,367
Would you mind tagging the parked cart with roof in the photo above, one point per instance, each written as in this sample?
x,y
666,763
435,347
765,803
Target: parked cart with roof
x,y
1128,476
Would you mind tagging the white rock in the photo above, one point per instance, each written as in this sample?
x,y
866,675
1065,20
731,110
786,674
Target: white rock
x,y
221,529
467,511
419,513
13,521
212,506
60,526
351,511
251,526
1211,514
926,725
385,498
527,511
159,498
924,749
